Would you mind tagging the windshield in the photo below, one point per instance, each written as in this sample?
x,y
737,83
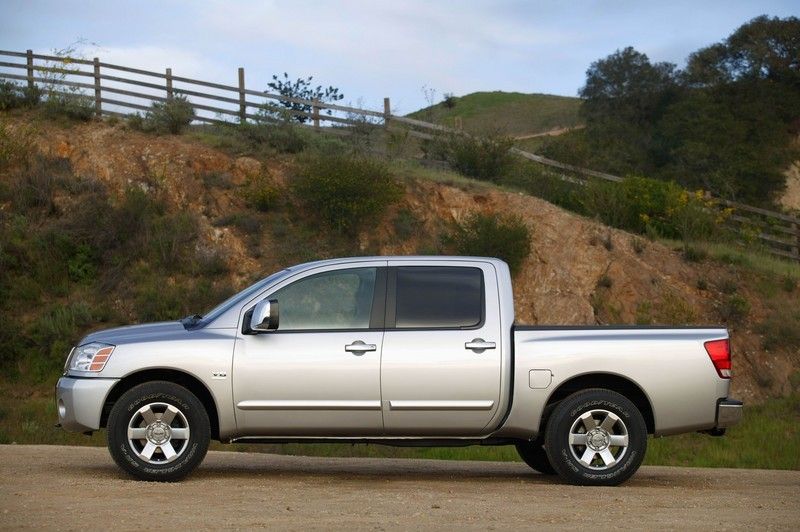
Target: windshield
x,y
240,297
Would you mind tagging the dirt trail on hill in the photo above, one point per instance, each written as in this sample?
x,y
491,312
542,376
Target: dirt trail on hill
x,y
79,488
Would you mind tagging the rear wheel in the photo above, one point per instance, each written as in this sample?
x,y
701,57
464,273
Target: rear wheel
x,y
533,454
158,431
596,437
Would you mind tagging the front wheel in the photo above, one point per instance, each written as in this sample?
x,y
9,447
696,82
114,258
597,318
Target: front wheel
x,y
596,437
158,431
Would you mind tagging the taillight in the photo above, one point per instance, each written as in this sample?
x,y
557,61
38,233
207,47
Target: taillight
x,y
720,353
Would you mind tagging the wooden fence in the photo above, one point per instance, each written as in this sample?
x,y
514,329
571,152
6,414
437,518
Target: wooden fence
x,y
116,89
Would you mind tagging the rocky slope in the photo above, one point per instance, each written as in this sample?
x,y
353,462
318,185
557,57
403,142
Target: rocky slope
x,y
580,272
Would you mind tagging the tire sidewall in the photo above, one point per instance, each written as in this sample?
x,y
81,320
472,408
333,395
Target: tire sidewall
x,y
557,438
175,395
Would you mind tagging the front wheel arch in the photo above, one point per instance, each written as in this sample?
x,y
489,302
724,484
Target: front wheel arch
x,y
190,382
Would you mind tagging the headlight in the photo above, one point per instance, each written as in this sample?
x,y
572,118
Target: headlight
x,y
90,357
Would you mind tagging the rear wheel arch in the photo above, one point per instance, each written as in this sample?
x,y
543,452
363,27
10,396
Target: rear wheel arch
x,y
188,381
609,381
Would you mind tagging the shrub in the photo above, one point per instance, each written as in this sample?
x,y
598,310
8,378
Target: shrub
x,y
261,194
537,181
406,224
35,185
283,136
650,206
73,105
482,157
13,96
734,309
169,238
493,235
16,145
244,221
52,334
449,100
605,281
345,191
694,253
172,116
780,329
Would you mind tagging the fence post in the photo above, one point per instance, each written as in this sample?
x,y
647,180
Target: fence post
x,y
242,105
387,111
98,111
459,124
30,69
169,83
315,114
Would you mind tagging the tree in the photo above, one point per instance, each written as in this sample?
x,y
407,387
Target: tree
x,y
624,96
300,89
627,83
764,48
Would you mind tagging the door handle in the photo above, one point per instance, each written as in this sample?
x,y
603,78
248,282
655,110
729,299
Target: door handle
x,y
359,348
479,345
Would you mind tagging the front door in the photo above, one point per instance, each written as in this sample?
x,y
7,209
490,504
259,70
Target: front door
x,y
318,374
442,352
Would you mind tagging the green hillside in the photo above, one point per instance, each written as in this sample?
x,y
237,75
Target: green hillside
x,y
514,112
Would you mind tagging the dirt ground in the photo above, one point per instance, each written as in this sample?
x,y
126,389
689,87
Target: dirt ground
x,y
72,488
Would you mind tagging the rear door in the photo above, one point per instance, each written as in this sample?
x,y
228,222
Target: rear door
x,y
441,365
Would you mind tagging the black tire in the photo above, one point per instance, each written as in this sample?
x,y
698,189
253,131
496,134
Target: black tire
x,y
595,471
189,452
533,454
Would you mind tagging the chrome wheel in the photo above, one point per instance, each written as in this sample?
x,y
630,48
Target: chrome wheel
x,y
598,439
158,433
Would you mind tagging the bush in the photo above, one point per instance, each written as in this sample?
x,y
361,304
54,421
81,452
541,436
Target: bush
x,y
780,329
35,185
537,181
493,235
16,145
73,105
734,309
13,96
283,136
345,191
406,224
650,206
170,117
485,157
261,194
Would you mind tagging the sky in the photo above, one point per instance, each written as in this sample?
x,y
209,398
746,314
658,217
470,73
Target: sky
x,y
376,49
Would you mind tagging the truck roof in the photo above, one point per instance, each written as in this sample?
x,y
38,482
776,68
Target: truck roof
x,y
426,258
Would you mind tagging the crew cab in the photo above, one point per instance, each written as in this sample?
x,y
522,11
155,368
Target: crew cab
x,y
417,351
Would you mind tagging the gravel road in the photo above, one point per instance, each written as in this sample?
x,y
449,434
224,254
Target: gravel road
x,y
72,488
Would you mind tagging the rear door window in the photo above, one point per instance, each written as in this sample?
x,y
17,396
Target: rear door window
x,y
438,297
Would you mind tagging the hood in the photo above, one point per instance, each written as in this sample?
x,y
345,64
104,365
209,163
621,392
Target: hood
x,y
146,332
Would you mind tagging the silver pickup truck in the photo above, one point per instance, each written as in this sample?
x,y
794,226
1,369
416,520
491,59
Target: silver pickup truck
x,y
418,351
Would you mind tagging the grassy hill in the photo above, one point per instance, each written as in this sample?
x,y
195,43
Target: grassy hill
x,y
515,113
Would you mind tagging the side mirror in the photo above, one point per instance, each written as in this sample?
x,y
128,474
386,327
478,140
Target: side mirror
x,y
265,316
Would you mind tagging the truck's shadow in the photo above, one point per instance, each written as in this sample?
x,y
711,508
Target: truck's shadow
x,y
323,470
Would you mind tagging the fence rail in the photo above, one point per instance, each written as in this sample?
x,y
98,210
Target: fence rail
x,y
778,233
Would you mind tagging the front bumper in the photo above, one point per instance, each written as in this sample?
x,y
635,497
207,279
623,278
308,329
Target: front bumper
x,y
80,402
729,413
